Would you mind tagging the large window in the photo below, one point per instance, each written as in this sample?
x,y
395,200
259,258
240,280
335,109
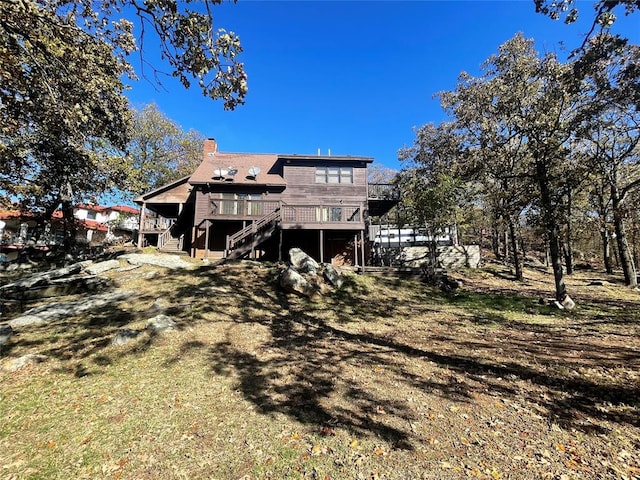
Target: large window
x,y
229,205
239,204
334,174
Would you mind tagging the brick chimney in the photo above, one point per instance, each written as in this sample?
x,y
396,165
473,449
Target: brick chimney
x,y
210,146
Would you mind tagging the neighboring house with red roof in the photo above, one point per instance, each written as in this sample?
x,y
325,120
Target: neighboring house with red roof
x,y
237,204
95,224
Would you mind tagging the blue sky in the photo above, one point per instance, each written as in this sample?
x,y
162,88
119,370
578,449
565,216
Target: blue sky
x,y
356,77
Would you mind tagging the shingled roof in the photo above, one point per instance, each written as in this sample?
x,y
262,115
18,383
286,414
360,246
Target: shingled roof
x,y
218,166
238,167
225,167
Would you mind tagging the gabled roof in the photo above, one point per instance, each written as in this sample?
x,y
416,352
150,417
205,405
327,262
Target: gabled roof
x,y
125,209
244,169
164,188
91,207
93,225
102,208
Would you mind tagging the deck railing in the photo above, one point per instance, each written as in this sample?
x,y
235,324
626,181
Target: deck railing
x,y
298,214
242,207
159,224
306,214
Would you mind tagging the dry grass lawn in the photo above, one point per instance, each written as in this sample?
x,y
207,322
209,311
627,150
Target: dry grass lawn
x,y
382,379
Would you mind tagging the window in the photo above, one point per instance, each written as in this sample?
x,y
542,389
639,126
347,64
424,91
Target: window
x,y
251,204
240,204
334,174
329,214
91,215
229,206
335,214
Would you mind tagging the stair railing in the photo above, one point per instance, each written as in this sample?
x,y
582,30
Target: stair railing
x,y
252,230
164,237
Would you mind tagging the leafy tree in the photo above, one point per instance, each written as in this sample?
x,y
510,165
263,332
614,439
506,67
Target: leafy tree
x,y
432,192
63,115
160,151
185,35
496,158
380,174
610,134
518,119
604,11
545,116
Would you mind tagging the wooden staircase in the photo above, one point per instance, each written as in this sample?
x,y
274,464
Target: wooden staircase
x,y
167,243
245,240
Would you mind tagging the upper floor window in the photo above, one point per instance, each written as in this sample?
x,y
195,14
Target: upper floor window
x,y
334,174
91,215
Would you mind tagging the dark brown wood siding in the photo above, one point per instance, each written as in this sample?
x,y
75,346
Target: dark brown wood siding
x,y
205,195
302,188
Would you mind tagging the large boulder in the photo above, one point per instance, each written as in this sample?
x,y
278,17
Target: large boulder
x,y
55,311
161,324
292,281
302,262
307,277
102,267
332,275
158,260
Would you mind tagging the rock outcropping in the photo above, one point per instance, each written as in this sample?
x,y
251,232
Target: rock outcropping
x,y
305,276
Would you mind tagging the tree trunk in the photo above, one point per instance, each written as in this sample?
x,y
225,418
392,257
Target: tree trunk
x,y
70,229
517,261
547,261
605,237
433,254
606,250
505,236
568,250
568,257
626,261
553,229
634,243
556,261
495,242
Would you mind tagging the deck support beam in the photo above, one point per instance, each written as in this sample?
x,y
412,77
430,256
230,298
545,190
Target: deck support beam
x,y
355,250
206,238
362,248
321,246
141,226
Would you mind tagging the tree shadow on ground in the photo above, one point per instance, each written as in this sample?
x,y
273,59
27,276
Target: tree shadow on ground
x,y
355,357
312,367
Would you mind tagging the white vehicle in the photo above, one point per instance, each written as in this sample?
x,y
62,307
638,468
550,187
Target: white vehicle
x,y
389,237
403,237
